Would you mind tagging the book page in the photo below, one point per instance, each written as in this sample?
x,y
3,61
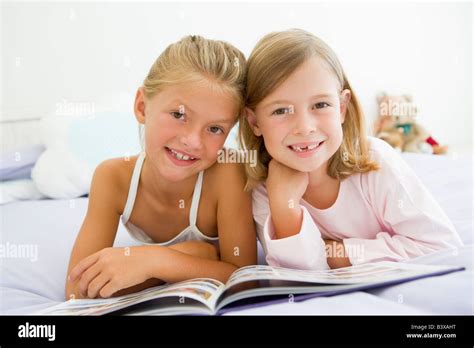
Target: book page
x,y
256,281
365,273
202,290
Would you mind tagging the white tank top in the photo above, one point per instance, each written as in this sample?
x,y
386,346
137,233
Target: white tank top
x,y
189,233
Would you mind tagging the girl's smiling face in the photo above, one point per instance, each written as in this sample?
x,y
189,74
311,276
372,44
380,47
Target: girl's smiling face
x,y
301,120
185,127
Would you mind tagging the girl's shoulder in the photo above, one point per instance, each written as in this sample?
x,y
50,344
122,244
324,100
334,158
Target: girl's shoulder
x,y
393,173
228,165
113,176
119,170
388,159
225,177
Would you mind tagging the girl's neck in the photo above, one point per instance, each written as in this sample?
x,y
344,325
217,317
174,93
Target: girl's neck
x,y
319,178
165,191
323,190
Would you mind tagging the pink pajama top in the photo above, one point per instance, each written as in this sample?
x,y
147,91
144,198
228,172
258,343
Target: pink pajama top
x,y
382,215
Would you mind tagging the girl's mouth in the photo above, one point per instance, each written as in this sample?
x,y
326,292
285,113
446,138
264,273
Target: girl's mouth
x,y
305,149
180,158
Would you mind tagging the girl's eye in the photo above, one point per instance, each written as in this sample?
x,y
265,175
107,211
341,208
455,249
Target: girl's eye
x,y
177,114
216,130
321,105
281,111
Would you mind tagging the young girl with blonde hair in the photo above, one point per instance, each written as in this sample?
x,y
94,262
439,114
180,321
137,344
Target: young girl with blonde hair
x,y
189,214
324,194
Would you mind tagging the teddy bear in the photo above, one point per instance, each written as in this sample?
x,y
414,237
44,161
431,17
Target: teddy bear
x,y
397,126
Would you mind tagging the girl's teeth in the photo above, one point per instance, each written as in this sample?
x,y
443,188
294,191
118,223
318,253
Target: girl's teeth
x,y
306,148
180,156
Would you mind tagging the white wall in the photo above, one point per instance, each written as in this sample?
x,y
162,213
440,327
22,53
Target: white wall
x,y
80,52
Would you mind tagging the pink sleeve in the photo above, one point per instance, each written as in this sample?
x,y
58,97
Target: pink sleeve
x,y
305,250
415,224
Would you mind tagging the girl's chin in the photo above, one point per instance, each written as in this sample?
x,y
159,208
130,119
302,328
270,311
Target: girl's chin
x,y
300,165
173,173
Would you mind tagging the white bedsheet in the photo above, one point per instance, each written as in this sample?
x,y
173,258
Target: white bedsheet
x,y
34,282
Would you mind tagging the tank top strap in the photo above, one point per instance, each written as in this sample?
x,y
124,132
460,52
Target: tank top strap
x,y
195,201
132,191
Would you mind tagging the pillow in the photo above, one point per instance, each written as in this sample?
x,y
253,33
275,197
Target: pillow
x,y
75,145
16,190
17,164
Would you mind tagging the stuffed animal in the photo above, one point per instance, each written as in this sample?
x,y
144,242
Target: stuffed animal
x,y
397,125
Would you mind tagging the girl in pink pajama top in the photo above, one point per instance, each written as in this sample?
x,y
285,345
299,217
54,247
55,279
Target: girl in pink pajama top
x,y
325,195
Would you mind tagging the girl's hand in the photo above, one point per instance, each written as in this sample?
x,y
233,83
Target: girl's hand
x,y
285,187
336,254
110,270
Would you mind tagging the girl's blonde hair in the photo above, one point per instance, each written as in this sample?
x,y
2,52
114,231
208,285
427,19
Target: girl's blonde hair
x,y
194,58
276,56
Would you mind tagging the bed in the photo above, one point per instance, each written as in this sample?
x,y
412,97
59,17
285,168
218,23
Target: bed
x,y
37,237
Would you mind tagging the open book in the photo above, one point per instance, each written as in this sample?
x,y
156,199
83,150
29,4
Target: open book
x,y
249,286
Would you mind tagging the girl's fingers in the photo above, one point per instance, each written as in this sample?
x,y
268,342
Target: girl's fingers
x,y
82,266
108,290
96,285
87,277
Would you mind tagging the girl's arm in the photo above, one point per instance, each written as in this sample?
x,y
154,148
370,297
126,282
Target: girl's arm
x,y
100,224
237,237
118,271
195,248
303,250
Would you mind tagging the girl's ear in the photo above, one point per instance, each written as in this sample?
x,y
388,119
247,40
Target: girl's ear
x,y
345,100
252,120
139,106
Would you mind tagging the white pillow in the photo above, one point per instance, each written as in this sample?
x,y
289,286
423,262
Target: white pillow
x,y
75,145
16,190
58,173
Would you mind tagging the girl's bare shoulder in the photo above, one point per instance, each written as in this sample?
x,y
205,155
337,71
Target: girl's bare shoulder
x,y
225,177
112,178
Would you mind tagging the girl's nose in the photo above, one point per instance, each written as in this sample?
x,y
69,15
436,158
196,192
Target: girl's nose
x,y
192,139
305,124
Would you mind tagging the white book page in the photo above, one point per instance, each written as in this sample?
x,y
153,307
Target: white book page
x,y
202,290
276,279
365,273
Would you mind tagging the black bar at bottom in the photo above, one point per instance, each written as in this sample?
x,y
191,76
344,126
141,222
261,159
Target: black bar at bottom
x,y
406,330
